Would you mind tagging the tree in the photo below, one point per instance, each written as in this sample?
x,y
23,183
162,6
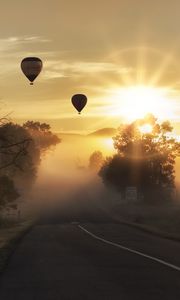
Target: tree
x,y
144,159
8,192
41,134
96,160
19,155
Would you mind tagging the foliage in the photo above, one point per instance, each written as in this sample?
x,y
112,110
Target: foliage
x,y
96,160
41,134
144,159
8,193
20,152
19,155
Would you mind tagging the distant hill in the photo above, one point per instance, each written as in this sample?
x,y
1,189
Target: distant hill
x,y
104,132
69,134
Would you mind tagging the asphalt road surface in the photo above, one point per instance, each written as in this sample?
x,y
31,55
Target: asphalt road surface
x,y
62,258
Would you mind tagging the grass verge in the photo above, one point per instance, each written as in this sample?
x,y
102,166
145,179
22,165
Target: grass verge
x,y
162,220
9,237
153,230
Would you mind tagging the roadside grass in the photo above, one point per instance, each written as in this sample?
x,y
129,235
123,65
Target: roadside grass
x,y
9,237
163,220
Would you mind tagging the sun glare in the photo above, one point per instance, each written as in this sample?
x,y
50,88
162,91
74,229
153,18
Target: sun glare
x,y
136,101
146,128
109,143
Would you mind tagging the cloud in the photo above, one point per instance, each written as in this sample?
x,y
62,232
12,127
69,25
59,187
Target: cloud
x,y
15,42
14,48
50,74
59,69
25,39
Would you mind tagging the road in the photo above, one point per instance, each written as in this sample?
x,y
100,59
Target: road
x,y
60,260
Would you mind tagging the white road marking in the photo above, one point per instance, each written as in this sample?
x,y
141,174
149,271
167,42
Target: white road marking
x,y
130,250
75,223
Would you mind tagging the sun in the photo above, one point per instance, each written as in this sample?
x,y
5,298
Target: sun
x,y
146,128
135,102
109,143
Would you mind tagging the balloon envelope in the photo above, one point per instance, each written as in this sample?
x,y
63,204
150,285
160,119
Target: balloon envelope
x,y
79,101
31,67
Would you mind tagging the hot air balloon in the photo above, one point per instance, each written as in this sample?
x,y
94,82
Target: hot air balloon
x,y
31,67
79,101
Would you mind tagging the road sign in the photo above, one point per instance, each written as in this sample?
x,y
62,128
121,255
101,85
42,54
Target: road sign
x,y
131,193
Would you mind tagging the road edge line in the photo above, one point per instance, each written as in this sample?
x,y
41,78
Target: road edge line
x,y
160,261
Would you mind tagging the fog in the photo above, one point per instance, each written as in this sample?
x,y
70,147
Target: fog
x,y
64,176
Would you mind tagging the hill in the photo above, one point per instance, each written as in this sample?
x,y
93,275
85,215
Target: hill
x,y
104,132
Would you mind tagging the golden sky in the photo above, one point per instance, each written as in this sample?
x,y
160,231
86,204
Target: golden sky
x,y
124,55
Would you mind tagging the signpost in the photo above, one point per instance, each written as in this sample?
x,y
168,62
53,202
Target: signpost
x,y
131,194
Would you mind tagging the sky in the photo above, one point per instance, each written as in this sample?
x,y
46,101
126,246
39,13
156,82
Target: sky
x,y
123,54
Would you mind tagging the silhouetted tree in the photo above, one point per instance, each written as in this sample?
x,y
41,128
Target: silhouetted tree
x,y
19,156
41,134
20,151
144,159
96,160
8,192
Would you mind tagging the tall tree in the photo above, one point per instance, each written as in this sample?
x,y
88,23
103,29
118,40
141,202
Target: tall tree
x,y
146,153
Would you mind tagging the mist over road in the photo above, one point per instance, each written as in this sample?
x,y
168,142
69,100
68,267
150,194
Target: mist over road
x,y
58,260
